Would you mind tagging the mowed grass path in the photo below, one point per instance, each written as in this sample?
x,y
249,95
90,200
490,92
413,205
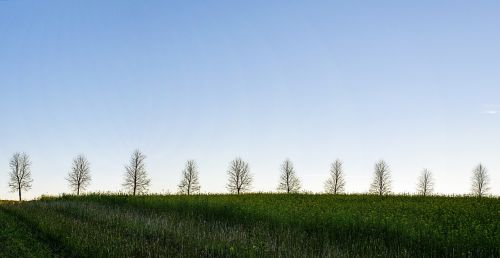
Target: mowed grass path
x,y
253,225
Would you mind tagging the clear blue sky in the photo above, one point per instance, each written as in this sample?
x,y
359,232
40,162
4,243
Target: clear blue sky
x,y
416,83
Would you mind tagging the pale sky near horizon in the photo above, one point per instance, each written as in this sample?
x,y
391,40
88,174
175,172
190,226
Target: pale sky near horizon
x,y
416,83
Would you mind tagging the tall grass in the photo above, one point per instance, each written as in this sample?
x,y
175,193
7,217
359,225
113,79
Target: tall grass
x,y
256,225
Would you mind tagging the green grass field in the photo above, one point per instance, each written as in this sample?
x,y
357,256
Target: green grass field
x,y
251,225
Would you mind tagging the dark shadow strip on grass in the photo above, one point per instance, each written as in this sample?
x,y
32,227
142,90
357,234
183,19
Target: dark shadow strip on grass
x,y
56,247
174,246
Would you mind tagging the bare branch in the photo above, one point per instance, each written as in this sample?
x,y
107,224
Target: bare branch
x,y
381,184
20,173
136,178
79,177
190,182
240,179
480,181
289,182
425,184
336,183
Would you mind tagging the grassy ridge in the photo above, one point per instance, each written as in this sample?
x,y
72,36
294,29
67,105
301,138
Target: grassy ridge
x,y
430,225
90,229
267,225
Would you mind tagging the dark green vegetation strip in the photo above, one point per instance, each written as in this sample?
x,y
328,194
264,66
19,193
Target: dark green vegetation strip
x,y
268,225
17,239
97,230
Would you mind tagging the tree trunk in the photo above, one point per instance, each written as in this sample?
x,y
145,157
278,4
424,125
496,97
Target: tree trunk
x,y
135,187
19,189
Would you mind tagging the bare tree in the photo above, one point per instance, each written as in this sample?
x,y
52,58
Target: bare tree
x,y
136,178
189,182
425,184
336,183
79,176
20,173
240,179
480,181
289,182
381,179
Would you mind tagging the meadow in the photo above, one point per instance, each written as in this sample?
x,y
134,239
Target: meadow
x,y
251,225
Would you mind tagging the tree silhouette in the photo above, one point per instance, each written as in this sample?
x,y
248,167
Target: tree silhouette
x,y
189,182
381,184
79,176
240,179
289,182
480,181
336,183
136,179
425,184
20,173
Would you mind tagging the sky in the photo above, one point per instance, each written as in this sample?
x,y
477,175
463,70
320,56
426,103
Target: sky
x,y
416,83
